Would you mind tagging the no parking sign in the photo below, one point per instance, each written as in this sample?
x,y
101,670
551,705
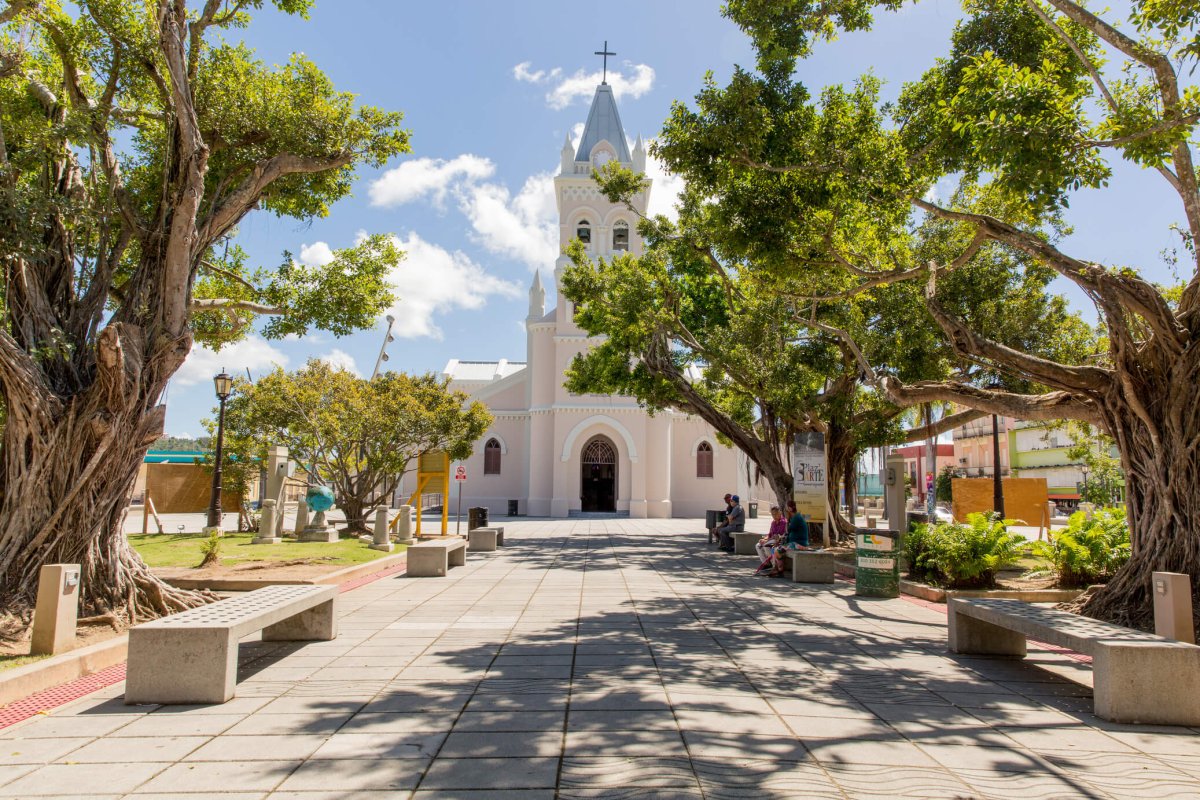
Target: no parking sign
x,y
460,473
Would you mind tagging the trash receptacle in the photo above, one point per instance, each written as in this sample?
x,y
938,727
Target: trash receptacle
x,y
917,518
711,518
877,568
513,508
477,517
753,510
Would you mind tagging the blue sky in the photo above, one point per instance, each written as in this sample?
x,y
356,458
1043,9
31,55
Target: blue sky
x,y
489,91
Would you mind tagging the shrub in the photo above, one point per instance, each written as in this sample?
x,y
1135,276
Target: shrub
x,y
211,549
1088,550
962,556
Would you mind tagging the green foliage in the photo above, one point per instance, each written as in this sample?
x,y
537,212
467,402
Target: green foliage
x,y
357,436
210,548
1093,449
944,485
962,556
1088,550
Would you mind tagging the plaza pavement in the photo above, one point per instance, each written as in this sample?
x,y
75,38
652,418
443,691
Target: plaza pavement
x,y
611,658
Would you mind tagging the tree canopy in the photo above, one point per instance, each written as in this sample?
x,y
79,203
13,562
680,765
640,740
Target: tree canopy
x,y
357,436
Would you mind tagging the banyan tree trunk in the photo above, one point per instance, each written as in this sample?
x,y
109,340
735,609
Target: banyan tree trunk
x,y
69,465
1162,479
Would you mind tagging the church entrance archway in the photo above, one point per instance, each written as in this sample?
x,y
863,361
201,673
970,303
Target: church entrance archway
x,y
598,475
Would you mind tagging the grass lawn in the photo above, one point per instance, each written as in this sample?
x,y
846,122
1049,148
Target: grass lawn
x,y
175,550
10,661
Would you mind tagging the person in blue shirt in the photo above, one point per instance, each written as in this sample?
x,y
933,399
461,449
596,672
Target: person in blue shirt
x,y
735,522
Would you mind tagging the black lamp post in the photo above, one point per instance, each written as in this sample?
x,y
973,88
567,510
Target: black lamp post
x,y
997,482
223,384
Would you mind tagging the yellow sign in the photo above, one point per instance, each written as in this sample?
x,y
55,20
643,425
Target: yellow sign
x,y
808,473
433,473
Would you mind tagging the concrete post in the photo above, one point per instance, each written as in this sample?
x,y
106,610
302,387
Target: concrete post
x,y
268,524
1172,606
301,515
404,527
57,609
893,472
383,539
277,470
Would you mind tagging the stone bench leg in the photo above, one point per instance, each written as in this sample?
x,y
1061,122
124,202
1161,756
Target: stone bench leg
x,y
970,635
458,557
183,665
482,539
743,545
811,568
318,624
426,562
1146,682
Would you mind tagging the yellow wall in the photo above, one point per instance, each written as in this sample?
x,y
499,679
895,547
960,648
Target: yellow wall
x,y
1024,498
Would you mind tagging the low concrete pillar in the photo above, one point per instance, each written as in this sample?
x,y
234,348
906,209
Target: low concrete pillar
x,y
268,525
57,609
301,516
383,537
1173,606
404,527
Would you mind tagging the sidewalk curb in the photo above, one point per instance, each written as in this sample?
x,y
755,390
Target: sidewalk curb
x,y
20,682
343,575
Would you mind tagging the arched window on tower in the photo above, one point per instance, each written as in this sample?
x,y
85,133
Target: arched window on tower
x,y
621,236
491,457
583,231
704,460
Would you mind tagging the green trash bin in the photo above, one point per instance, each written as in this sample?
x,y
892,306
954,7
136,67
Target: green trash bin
x,y
753,510
877,566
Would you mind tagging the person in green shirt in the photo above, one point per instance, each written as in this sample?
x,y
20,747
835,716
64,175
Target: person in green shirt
x,y
797,539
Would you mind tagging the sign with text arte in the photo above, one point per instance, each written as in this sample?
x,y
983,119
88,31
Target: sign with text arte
x,y
460,473
809,471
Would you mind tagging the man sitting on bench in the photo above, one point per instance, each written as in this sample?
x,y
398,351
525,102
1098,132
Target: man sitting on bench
x,y
735,522
712,532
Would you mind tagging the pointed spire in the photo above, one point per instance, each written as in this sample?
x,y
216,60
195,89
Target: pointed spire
x,y
537,297
639,155
603,124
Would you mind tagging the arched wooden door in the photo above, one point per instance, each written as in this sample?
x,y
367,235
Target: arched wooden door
x,y
598,475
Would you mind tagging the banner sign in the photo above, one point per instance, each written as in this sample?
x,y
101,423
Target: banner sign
x,y
809,472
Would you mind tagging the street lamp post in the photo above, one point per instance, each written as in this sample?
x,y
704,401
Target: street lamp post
x,y
997,482
1084,470
223,384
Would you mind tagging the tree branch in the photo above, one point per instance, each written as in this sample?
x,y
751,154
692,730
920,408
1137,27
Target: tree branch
x,y
1051,405
234,305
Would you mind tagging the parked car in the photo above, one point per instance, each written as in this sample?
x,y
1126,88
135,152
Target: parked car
x,y
942,515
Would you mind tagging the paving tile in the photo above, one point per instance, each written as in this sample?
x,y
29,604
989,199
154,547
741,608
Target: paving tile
x,y
609,772
69,726
218,777
765,778
510,721
498,744
314,722
258,748
381,745
134,749
38,751
68,779
356,775
660,742
491,773
721,745
179,725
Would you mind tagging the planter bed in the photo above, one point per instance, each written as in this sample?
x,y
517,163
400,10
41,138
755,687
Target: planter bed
x,y
936,594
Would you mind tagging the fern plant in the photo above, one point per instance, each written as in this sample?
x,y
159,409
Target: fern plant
x,y
962,556
210,548
1088,550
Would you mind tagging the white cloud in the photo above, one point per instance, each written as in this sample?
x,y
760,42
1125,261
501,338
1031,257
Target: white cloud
x,y
431,280
252,352
665,191
317,254
428,177
523,227
567,89
340,359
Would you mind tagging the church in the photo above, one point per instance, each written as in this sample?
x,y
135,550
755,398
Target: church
x,y
551,453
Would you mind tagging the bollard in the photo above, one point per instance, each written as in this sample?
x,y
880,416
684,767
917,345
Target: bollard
x,y
57,609
1172,606
301,516
268,523
404,526
383,539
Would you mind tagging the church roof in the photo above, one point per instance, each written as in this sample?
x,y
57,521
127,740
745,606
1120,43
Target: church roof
x,y
481,371
603,124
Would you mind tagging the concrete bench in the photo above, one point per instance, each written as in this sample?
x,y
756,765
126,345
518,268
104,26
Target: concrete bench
x,y
485,538
1137,676
744,541
434,558
191,657
811,567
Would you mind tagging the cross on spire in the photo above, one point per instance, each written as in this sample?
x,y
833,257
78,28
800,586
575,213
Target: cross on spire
x,y
606,54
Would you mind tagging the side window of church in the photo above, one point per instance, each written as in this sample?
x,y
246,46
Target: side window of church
x,y
704,460
491,458
584,231
620,236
